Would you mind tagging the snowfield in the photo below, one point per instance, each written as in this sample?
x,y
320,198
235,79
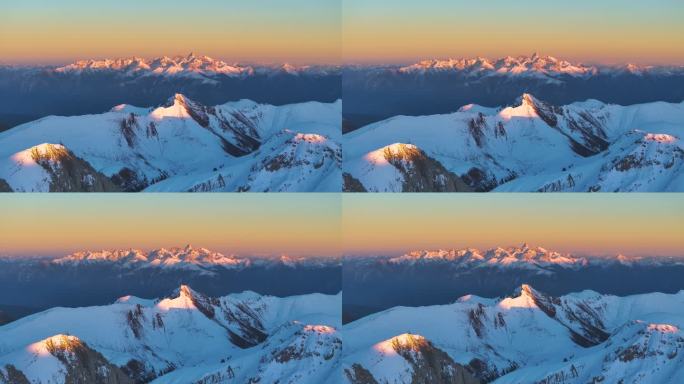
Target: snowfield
x,y
180,146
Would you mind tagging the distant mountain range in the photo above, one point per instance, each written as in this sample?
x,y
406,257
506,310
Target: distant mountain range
x,y
374,93
93,86
529,337
428,277
179,146
185,337
31,284
529,146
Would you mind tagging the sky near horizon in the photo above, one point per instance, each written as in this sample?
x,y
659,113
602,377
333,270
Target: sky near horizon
x,y
263,31
299,224
590,31
309,224
602,224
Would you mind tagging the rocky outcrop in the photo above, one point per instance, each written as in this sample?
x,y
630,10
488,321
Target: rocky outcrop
x,y
69,173
420,172
430,365
357,374
352,184
4,186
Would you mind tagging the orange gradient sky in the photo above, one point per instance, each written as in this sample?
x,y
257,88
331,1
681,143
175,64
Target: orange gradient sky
x,y
48,32
247,224
590,224
606,31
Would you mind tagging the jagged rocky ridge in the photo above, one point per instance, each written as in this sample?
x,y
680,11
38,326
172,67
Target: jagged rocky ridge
x,y
530,146
530,337
186,337
180,146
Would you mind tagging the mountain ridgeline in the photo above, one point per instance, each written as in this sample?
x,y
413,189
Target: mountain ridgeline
x,y
427,277
182,337
440,86
31,285
529,146
180,146
93,86
525,337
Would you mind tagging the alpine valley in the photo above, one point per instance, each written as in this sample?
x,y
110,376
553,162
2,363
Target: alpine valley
x,y
526,337
183,337
529,146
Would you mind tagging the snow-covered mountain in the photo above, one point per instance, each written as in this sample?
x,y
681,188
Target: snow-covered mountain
x,y
187,258
530,337
192,66
179,146
529,146
28,285
187,337
438,86
548,68
538,259
428,277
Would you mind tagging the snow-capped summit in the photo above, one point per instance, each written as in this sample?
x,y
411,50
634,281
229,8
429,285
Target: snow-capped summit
x,y
528,337
181,145
186,338
173,258
535,65
190,65
523,257
531,145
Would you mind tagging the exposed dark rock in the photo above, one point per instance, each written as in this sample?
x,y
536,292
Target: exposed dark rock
x,y
352,184
69,173
359,375
4,186
84,365
12,376
430,364
422,173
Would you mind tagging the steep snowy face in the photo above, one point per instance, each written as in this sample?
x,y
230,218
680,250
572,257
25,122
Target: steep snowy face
x,y
530,146
187,337
179,146
529,337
